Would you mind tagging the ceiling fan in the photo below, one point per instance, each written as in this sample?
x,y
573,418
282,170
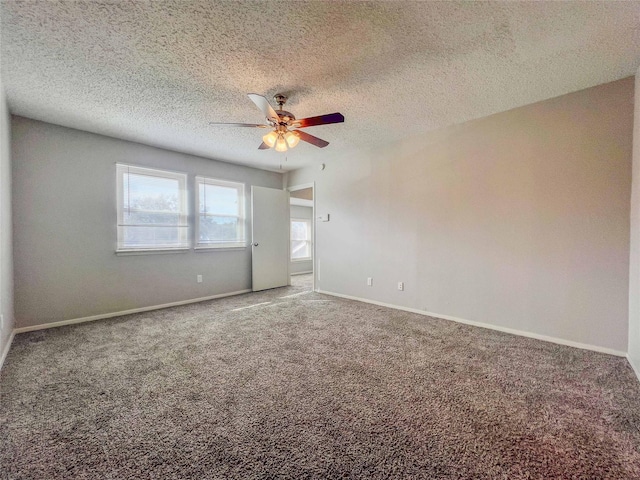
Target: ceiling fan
x,y
281,121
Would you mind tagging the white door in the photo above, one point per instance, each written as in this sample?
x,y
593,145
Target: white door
x,y
270,243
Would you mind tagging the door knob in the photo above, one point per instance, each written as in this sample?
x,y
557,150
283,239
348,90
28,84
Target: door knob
x,y
255,244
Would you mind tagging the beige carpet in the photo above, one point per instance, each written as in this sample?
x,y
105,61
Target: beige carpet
x,y
288,383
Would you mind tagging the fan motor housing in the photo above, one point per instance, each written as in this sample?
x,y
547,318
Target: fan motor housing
x,y
285,116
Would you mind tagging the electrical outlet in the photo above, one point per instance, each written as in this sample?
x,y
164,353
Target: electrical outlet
x,y
199,278
400,285
370,281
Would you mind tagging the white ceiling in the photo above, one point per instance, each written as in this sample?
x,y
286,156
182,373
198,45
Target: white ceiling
x,y
157,72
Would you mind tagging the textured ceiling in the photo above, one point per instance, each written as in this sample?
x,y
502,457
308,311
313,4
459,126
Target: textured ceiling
x,y
157,71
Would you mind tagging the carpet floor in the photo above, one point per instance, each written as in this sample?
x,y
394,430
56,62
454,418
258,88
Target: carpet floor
x,y
288,383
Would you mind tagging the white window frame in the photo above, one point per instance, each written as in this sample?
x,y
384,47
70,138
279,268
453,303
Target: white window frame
x,y
183,216
241,241
309,240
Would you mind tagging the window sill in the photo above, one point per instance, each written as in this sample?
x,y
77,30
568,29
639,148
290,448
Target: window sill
x,y
160,251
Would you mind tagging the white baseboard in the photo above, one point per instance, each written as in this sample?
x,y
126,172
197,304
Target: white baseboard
x,y
512,331
5,352
302,273
124,312
635,369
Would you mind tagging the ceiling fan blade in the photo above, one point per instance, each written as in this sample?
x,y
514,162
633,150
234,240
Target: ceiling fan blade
x,y
305,137
320,120
264,146
256,125
264,105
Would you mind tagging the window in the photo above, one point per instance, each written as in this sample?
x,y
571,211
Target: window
x,y
221,217
300,239
152,209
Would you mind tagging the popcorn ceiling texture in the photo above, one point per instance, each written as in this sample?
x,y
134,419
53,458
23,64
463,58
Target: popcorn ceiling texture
x,y
158,71
288,383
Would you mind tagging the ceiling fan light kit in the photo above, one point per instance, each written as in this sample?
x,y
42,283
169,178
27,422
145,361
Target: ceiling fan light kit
x,y
270,138
281,138
292,139
281,145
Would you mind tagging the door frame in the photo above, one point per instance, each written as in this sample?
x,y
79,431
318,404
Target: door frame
x,y
314,266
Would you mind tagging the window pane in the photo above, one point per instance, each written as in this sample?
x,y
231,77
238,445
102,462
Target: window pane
x,y
300,249
218,229
299,230
153,237
218,200
151,218
300,239
144,192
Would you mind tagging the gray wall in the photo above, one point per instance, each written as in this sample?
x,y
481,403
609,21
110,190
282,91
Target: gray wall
x,y
64,210
6,255
519,220
634,267
298,211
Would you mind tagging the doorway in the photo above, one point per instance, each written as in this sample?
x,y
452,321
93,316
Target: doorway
x,y
302,226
